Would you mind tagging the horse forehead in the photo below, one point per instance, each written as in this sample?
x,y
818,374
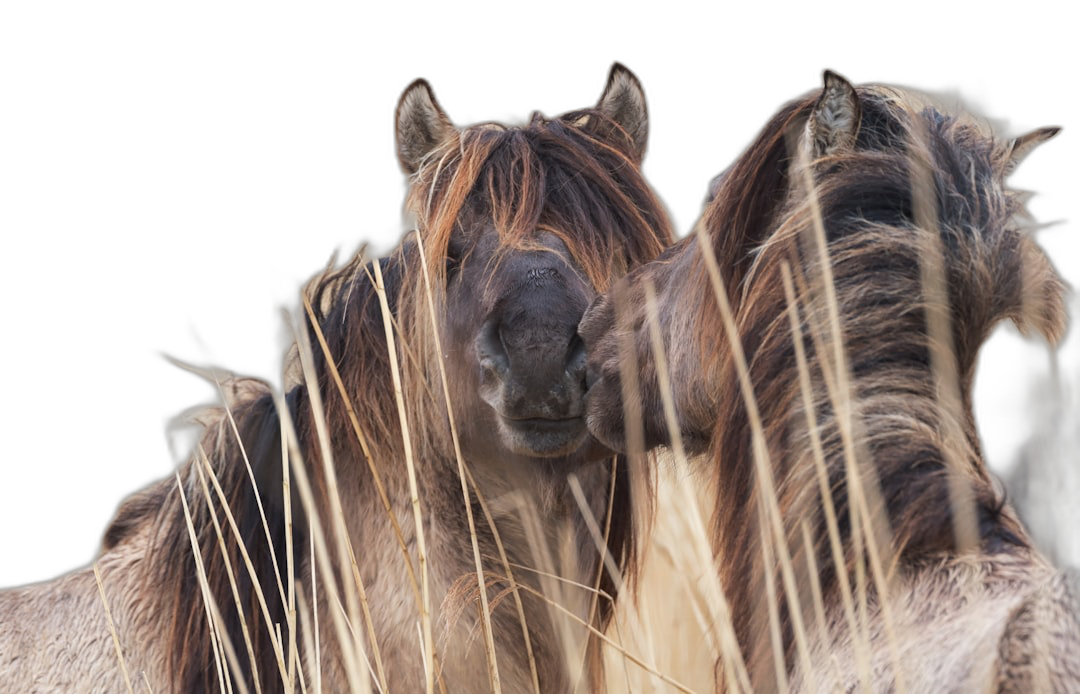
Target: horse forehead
x,y
534,256
507,277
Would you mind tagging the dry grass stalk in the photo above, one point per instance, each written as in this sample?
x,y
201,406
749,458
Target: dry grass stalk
x,y
632,414
867,505
222,645
552,586
311,632
770,516
636,660
818,599
258,497
421,547
349,648
605,557
206,470
505,561
112,629
295,671
232,577
599,537
337,514
485,609
357,580
942,350
358,432
734,667
824,489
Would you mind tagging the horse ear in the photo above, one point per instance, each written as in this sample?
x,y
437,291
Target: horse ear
x,y
834,121
623,101
1023,146
420,125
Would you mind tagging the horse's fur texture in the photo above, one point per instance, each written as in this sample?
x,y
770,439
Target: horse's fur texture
x,y
907,195
518,229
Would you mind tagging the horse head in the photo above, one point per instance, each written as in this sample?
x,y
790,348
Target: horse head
x,y
521,228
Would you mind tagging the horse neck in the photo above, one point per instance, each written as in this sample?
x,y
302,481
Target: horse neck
x,y
533,510
528,500
906,441
539,530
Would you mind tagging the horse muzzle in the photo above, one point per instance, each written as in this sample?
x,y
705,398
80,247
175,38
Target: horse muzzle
x,y
536,389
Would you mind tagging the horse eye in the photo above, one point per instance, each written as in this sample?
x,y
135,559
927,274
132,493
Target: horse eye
x,y
455,257
453,262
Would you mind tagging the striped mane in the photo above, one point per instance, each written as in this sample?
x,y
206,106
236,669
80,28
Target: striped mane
x,y
812,346
879,235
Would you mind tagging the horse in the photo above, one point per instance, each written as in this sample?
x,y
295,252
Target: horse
x,y
820,332
427,474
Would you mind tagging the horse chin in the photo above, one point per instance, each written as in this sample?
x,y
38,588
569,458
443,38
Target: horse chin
x,y
608,434
543,438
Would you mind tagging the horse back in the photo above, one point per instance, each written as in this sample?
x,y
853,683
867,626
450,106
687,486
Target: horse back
x,y
55,636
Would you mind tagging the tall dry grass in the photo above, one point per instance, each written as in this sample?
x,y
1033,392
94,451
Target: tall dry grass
x,y
672,632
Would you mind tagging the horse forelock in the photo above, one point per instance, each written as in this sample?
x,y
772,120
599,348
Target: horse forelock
x,y
761,221
572,176
569,177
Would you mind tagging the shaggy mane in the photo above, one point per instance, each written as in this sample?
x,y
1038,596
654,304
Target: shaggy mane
x,y
761,220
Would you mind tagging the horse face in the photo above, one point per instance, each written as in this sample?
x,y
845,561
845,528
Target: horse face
x,y
601,326
615,331
513,291
518,366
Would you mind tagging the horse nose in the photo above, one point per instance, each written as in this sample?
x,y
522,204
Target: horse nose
x,y
576,361
491,350
544,381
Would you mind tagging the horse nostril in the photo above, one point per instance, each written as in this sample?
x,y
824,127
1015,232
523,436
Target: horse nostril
x,y
491,350
575,359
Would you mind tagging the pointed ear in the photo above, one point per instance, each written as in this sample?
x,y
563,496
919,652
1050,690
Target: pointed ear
x,y
1025,144
834,121
420,125
623,101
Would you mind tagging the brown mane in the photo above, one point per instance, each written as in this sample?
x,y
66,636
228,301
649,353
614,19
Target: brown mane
x,y
761,221
174,573
565,176
815,342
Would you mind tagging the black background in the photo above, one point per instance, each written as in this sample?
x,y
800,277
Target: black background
x,y
171,188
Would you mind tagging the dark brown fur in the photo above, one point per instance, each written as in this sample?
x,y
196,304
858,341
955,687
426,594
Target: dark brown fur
x,y
759,220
